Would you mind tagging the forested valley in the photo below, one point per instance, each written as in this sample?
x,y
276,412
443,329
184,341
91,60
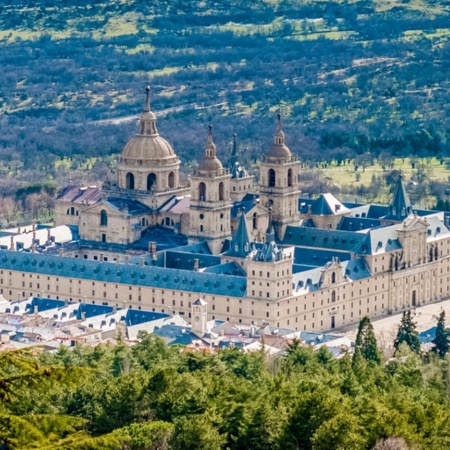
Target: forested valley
x,y
153,397
351,79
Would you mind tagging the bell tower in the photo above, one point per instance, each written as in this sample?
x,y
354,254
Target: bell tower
x,y
209,212
278,185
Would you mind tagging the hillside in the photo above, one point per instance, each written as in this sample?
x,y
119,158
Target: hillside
x,y
349,77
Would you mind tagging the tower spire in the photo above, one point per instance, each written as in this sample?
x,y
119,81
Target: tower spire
x,y
210,151
279,135
147,99
270,232
147,121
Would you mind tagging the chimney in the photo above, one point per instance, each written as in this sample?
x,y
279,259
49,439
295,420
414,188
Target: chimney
x,y
142,261
101,257
127,260
309,209
35,309
49,234
33,228
60,251
196,265
33,247
153,250
12,246
83,315
18,230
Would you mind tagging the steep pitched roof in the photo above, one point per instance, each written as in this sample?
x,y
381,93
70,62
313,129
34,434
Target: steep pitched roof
x,y
400,207
242,242
324,205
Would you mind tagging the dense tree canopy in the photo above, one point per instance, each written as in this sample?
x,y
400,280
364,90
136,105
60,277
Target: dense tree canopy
x,y
151,396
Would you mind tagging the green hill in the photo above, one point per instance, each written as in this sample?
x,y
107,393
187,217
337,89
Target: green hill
x,y
350,77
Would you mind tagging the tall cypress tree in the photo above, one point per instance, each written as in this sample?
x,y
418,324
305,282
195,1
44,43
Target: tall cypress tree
x,y
366,342
407,333
441,339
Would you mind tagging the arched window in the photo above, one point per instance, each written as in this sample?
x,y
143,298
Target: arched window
x,y
271,178
333,277
103,218
333,296
202,191
221,194
171,180
130,180
151,181
290,176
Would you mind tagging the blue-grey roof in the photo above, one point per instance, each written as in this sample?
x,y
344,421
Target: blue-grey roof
x,y
242,242
400,207
379,240
231,268
322,238
44,304
357,223
317,257
200,247
244,205
185,261
128,205
158,277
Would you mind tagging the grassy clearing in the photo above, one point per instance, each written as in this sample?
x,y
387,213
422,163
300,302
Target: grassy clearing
x,y
343,175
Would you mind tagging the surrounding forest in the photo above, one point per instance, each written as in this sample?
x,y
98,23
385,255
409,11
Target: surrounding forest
x,y
351,79
153,397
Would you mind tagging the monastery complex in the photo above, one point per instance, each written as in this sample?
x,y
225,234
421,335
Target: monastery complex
x,y
251,253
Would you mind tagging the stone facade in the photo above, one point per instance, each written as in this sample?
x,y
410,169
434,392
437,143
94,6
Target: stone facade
x,y
262,257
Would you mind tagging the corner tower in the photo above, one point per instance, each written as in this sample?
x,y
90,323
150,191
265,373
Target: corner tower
x,y
209,212
148,168
278,185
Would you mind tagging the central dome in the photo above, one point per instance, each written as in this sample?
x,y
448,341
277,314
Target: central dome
x,y
147,148
147,145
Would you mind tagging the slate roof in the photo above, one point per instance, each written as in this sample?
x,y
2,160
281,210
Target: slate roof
x,y
242,241
317,257
185,261
324,205
400,207
131,274
247,204
357,223
128,205
231,268
269,251
321,238
379,240
310,280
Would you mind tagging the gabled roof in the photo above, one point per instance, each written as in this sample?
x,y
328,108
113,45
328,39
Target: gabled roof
x,y
324,205
131,274
86,195
400,207
320,238
242,242
128,206
357,223
231,268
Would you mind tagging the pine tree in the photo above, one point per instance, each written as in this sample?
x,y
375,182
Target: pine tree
x,y
407,333
366,342
441,340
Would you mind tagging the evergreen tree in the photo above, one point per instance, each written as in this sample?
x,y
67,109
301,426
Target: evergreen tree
x,y
366,342
441,339
407,333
